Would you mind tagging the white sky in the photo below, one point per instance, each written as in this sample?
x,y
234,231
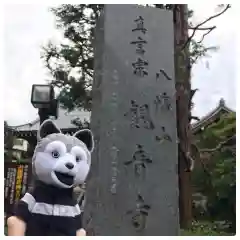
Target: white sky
x,y
28,27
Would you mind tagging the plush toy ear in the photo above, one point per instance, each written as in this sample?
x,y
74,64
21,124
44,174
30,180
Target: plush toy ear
x,y
86,137
46,128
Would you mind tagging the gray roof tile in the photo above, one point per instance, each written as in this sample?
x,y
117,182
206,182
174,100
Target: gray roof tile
x,y
64,120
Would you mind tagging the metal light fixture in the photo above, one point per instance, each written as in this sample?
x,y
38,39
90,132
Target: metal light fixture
x,y
42,95
43,98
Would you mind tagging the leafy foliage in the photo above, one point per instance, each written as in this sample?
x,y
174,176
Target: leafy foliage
x,y
71,63
197,51
205,228
217,180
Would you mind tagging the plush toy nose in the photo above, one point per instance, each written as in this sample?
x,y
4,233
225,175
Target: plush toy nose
x,y
69,165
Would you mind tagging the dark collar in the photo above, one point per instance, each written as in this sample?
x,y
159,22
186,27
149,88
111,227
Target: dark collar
x,y
52,190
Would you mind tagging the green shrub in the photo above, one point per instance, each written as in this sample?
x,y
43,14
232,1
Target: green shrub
x,y
206,229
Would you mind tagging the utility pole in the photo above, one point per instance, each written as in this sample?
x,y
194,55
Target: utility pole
x,y
183,91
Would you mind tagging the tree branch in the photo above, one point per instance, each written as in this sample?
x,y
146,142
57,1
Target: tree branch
x,y
218,147
202,23
205,34
192,92
194,118
202,28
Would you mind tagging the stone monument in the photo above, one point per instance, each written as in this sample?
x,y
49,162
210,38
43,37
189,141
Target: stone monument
x,y
133,185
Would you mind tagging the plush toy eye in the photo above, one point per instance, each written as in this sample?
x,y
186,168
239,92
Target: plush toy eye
x,y
55,154
79,153
56,149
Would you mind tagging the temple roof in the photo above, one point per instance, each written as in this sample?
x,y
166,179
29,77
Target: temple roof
x,y
65,121
212,116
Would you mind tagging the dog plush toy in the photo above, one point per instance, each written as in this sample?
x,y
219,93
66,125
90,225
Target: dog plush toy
x,y
60,162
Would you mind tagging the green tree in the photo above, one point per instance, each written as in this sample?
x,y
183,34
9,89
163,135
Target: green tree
x,y
217,179
71,63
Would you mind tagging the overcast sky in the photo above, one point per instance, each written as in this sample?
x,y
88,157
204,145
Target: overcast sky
x,y
28,27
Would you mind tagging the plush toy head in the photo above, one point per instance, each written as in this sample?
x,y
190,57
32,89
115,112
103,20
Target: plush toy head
x,y
62,160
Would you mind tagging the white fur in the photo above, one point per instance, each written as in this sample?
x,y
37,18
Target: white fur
x,y
45,165
66,149
56,146
79,152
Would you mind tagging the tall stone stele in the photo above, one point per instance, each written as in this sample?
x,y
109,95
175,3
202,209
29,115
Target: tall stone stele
x,y
133,185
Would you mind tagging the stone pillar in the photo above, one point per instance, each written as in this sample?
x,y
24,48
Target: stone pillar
x,y
133,185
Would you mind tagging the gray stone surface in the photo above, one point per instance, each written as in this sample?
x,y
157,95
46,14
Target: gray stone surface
x,y
133,185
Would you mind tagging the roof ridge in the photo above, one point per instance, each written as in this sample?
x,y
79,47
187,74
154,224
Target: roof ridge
x,y
26,124
209,115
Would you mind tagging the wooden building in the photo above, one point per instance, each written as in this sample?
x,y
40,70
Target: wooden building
x,y
205,150
68,122
211,117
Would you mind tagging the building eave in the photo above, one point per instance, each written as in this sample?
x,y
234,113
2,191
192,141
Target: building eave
x,y
65,122
211,116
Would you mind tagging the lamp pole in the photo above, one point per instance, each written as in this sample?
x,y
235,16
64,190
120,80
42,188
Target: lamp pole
x,y
43,114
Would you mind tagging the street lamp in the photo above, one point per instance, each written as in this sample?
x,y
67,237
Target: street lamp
x,y
43,98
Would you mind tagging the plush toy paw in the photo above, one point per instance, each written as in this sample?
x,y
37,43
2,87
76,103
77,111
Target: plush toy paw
x,y
81,232
16,227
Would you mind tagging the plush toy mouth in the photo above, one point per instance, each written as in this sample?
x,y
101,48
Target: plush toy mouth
x,y
65,178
